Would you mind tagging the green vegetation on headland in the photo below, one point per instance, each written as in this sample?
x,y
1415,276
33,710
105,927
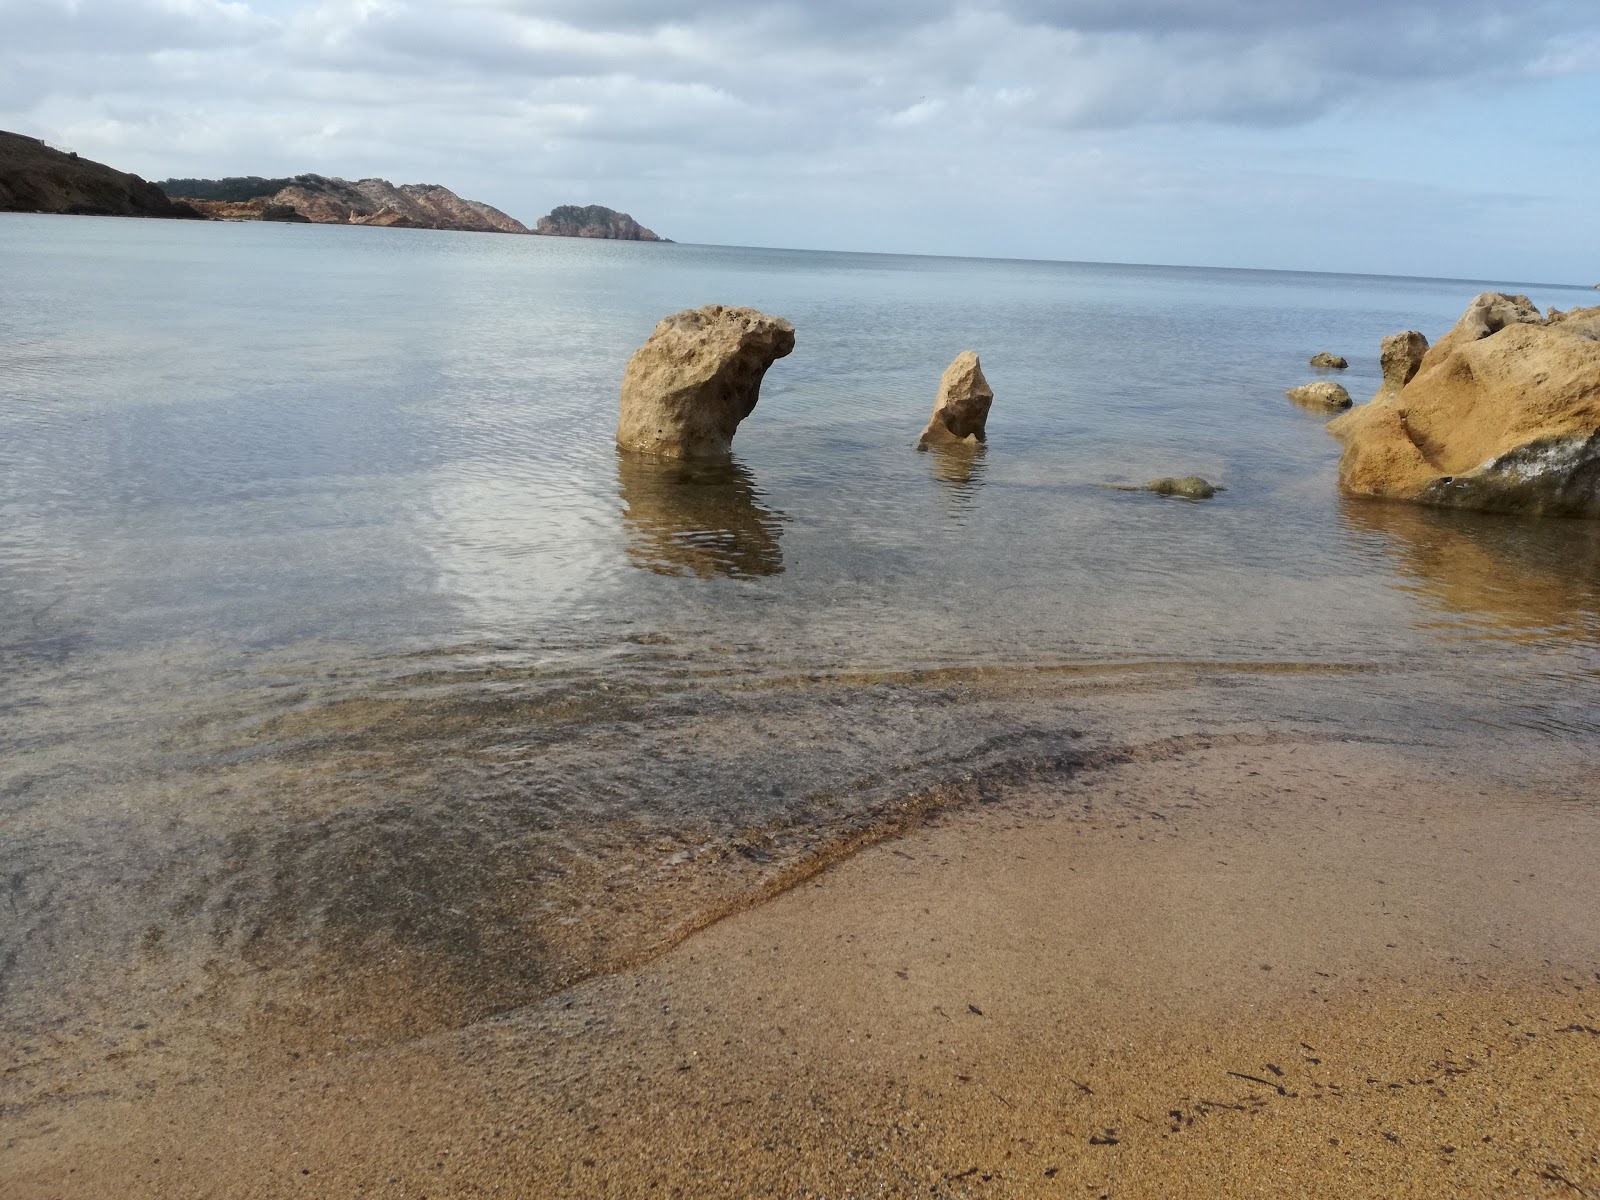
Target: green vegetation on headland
x,y
235,187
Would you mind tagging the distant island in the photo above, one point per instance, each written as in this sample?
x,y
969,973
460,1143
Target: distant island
x,y
594,221
38,178
321,200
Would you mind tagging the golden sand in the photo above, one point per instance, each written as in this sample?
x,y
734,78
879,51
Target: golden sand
x,y
1292,970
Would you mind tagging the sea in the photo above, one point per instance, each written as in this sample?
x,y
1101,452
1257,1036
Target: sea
x,y
353,685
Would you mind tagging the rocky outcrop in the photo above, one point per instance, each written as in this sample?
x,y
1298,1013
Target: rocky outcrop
x,y
1400,357
686,389
1329,362
37,178
1502,414
1331,396
961,408
328,201
593,221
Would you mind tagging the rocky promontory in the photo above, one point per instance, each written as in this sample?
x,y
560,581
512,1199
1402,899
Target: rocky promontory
x,y
1501,414
594,221
38,178
324,200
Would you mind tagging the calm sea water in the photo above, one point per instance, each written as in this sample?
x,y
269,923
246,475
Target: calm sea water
x,y
335,630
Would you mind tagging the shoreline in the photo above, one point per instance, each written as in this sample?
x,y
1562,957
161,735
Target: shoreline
x,y
1009,998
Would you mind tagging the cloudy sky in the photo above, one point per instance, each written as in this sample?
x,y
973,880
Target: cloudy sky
x,y
1446,137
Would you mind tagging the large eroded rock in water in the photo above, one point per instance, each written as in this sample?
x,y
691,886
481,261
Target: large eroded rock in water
x,y
961,409
1503,414
687,388
1330,362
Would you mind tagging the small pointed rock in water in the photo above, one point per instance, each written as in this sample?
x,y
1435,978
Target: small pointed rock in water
x,y
961,408
1191,487
1329,362
1320,395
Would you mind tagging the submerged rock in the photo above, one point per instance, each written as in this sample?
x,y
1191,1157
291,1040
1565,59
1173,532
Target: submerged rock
x,y
1320,395
687,388
1329,362
1190,487
961,409
1503,414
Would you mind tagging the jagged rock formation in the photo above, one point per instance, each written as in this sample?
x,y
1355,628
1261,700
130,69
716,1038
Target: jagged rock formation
x,y
1502,414
593,221
961,408
328,201
1320,395
1400,356
1329,362
687,388
35,177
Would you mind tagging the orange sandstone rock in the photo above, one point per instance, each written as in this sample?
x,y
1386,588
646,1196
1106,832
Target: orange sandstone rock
x,y
1503,415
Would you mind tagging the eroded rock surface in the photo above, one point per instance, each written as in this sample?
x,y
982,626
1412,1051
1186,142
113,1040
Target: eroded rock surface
x,y
1502,414
1400,356
1326,395
1329,362
687,388
961,409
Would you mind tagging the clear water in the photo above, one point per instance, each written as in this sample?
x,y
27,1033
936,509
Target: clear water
x,y
334,628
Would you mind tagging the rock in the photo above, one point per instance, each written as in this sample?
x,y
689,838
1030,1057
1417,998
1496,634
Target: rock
x,y
961,409
1503,415
1329,362
1489,313
1400,354
1190,487
687,388
282,212
35,177
329,201
594,221
1320,395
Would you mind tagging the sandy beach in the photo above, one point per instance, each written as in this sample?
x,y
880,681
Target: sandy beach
x,y
1215,967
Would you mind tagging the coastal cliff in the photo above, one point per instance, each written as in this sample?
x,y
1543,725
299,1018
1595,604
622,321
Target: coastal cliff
x,y
37,178
329,201
594,221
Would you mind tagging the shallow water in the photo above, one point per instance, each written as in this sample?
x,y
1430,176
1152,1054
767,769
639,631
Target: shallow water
x,y
346,659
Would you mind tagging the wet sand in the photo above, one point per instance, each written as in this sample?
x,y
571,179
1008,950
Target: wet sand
x,y
1304,968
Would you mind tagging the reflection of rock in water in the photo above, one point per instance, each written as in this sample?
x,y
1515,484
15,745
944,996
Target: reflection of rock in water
x,y
1506,576
699,518
959,465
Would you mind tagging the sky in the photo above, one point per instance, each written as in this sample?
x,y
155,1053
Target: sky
x,y
1453,138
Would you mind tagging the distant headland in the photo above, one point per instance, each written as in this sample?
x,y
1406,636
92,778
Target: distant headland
x,y
37,177
322,200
